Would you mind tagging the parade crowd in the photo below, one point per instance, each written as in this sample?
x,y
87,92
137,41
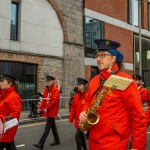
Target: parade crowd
x,y
121,122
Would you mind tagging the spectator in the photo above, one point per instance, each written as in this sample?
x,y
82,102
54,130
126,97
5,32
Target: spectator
x,y
75,90
57,84
35,99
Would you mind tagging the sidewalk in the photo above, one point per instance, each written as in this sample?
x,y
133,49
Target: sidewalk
x,y
24,118
63,113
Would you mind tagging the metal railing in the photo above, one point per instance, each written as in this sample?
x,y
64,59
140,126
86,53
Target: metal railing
x,y
29,111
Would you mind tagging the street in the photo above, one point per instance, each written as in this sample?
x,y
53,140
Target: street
x,y
29,134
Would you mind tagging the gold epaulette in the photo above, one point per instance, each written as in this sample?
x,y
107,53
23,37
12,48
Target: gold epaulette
x,y
121,83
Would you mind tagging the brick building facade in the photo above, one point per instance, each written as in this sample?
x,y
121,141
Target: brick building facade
x,y
120,23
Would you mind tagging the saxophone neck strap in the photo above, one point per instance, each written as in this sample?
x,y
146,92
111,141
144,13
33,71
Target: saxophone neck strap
x,y
101,84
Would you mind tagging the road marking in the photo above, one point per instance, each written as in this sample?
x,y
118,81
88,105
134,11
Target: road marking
x,y
148,132
40,123
21,145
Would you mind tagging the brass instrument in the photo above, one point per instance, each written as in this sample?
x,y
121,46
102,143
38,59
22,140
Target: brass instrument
x,y
92,115
112,83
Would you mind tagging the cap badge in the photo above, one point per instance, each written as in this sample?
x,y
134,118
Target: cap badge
x,y
107,43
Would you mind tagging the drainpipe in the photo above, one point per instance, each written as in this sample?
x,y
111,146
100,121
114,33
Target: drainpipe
x,y
140,40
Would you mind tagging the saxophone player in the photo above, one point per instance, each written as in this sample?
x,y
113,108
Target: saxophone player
x,y
75,110
121,112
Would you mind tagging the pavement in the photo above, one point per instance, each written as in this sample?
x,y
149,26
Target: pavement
x,y
24,118
62,113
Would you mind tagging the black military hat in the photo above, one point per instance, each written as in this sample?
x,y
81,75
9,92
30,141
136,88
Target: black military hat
x,y
137,77
7,76
104,44
49,78
81,81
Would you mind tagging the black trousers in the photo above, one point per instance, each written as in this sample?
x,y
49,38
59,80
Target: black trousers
x,y
50,124
80,140
8,145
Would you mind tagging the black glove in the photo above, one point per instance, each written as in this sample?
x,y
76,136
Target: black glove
x,y
8,118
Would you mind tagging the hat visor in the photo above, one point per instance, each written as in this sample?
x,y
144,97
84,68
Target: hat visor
x,y
48,80
4,78
81,83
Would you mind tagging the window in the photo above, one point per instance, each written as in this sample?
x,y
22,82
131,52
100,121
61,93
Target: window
x,y
145,58
14,21
93,29
129,11
133,12
26,75
94,71
136,13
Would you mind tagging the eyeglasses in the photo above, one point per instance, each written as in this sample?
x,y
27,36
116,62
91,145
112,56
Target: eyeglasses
x,y
1,80
102,55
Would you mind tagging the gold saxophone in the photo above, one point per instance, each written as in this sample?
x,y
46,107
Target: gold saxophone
x,y
92,115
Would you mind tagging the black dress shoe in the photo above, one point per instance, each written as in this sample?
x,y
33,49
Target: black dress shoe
x,y
55,143
38,146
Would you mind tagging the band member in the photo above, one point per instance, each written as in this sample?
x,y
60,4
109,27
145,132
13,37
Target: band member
x,y
10,107
121,112
148,96
142,90
147,113
49,109
75,110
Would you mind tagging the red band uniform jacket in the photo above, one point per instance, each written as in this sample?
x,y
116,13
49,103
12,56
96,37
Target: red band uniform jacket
x,y
148,97
147,113
120,113
76,107
51,105
143,94
10,105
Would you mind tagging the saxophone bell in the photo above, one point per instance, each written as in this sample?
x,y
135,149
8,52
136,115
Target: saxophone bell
x,y
93,118
92,115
